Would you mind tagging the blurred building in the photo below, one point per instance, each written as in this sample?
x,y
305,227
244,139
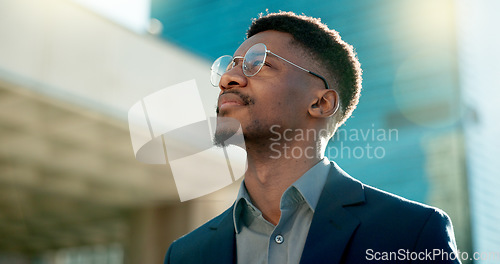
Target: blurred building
x,y
72,192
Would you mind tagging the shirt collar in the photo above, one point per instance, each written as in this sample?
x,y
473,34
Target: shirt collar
x,y
242,201
308,187
312,182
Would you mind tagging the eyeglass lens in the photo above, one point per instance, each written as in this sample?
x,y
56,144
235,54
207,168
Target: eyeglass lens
x,y
252,63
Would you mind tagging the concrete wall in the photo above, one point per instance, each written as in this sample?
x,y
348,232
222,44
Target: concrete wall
x,y
64,50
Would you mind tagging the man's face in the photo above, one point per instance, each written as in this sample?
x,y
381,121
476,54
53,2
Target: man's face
x,y
279,95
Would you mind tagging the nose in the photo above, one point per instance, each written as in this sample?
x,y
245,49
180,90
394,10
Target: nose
x,y
233,78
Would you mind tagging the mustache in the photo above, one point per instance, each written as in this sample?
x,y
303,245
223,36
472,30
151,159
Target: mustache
x,y
245,98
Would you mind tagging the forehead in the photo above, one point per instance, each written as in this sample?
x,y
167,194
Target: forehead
x,y
277,42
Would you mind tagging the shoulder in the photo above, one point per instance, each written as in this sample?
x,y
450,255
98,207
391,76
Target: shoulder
x,y
192,244
363,199
388,222
385,201
403,222
382,206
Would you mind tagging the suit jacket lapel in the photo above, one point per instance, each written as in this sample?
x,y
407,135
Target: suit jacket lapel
x,y
332,225
222,245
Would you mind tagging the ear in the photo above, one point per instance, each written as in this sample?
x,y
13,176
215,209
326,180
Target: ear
x,y
325,104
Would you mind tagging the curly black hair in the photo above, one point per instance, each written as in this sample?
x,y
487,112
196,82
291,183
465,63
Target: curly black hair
x,y
326,46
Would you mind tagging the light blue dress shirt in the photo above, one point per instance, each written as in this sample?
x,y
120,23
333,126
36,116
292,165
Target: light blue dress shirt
x,y
259,241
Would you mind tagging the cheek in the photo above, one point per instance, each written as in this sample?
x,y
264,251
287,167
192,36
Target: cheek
x,y
296,96
281,110
283,96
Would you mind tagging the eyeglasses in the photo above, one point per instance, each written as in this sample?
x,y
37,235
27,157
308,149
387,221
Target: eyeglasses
x,y
253,61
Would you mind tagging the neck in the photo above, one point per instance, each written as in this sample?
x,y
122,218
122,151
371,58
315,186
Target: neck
x,y
273,167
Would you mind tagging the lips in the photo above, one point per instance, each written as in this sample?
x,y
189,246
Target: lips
x,y
230,100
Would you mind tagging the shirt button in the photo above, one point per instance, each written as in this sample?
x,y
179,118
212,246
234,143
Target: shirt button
x,y
279,239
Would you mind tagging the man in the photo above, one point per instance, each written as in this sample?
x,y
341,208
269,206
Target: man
x,y
291,76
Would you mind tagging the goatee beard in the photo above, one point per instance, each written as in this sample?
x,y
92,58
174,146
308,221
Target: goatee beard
x,y
228,132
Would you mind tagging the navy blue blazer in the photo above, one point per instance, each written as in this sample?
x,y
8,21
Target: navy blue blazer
x,y
353,223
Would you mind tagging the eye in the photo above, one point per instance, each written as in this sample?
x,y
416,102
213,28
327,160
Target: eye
x,y
255,63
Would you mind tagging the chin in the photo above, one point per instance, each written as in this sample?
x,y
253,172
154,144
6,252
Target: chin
x,y
228,131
